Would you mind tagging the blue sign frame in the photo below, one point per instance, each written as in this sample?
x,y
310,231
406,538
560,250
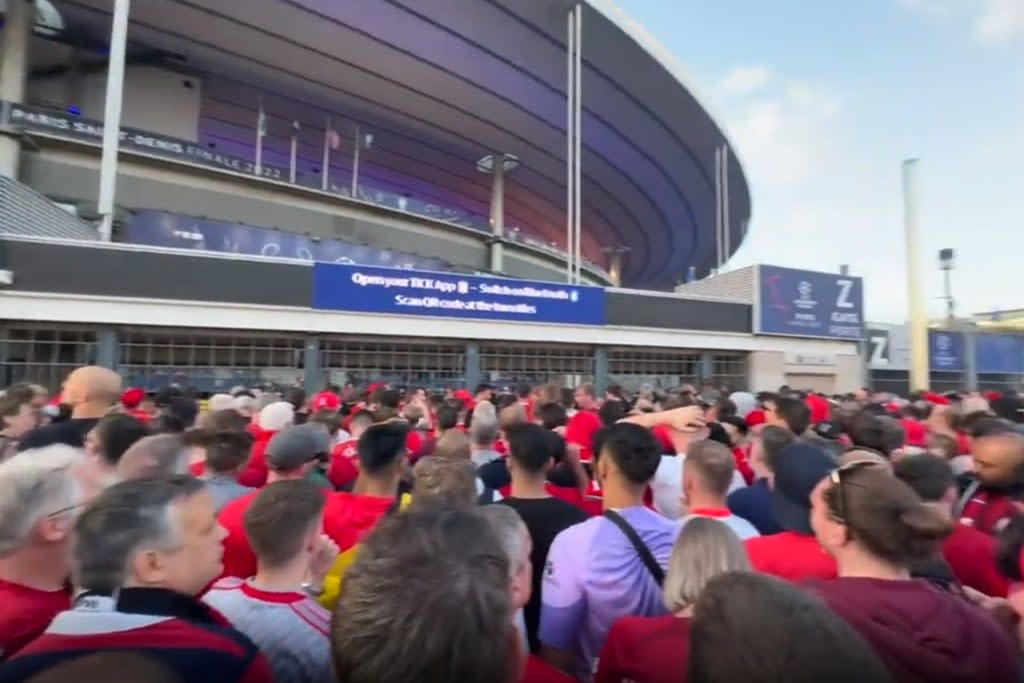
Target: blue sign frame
x,y
369,289
803,303
945,351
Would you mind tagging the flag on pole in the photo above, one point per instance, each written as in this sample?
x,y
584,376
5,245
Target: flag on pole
x,y
331,141
261,131
294,158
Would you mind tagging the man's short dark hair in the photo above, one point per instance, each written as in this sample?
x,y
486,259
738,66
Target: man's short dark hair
x,y
930,476
116,434
552,415
427,599
738,422
866,430
388,398
794,413
523,391
531,446
280,518
381,446
611,412
226,451
773,441
633,449
775,621
447,417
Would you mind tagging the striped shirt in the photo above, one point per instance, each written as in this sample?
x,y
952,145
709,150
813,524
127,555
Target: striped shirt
x,y
290,629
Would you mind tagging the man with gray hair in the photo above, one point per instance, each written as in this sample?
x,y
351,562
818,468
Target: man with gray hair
x,y
142,551
39,494
153,457
515,538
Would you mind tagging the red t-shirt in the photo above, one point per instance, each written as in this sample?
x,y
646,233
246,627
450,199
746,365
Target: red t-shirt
x,y
963,443
790,556
539,671
255,473
343,469
239,559
582,428
645,650
347,518
971,554
661,433
197,469
989,511
25,613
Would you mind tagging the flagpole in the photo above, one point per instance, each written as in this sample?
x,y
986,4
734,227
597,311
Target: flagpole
x,y
355,164
261,130
295,150
325,171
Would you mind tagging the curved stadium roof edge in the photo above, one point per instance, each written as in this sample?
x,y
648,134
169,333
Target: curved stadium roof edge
x,y
445,82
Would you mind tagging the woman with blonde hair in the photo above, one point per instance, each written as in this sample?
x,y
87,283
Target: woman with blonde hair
x,y
656,649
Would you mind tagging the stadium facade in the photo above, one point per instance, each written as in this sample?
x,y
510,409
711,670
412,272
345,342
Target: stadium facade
x,y
274,152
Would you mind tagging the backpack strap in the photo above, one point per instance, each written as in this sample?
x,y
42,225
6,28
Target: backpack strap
x,y
646,556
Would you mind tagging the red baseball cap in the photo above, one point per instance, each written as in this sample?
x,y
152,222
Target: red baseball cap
x,y
326,400
131,398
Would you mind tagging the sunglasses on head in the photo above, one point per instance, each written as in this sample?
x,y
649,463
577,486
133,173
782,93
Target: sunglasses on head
x,y
838,476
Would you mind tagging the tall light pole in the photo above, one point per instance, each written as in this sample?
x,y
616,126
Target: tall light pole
x,y
915,300
947,261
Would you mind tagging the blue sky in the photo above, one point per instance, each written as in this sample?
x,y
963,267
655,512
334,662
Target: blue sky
x,y
824,99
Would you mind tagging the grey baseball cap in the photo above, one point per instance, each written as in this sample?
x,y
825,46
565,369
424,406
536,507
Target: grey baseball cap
x,y
293,447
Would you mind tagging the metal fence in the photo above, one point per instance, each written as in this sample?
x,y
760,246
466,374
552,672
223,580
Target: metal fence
x,y
43,354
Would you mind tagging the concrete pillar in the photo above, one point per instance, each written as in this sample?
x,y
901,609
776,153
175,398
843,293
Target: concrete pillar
x,y
601,379
498,214
707,366
313,371
473,369
969,379
108,348
17,35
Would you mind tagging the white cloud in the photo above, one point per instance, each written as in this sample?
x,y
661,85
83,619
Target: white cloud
x,y
1000,21
746,79
780,131
990,21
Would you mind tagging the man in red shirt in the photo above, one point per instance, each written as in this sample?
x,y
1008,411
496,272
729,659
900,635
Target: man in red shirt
x,y
144,549
291,454
38,500
585,423
994,493
344,467
794,554
382,457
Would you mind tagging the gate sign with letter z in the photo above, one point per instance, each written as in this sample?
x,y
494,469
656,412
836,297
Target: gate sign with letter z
x,y
803,303
878,348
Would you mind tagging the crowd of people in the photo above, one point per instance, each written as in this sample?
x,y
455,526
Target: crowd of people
x,y
535,534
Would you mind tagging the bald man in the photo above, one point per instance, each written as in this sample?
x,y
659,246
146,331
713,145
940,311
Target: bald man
x,y
90,392
994,493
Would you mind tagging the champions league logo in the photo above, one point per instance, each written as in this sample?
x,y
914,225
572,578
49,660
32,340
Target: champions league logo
x,y
805,292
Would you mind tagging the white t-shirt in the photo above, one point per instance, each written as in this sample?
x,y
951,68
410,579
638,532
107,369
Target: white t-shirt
x,y
667,485
741,527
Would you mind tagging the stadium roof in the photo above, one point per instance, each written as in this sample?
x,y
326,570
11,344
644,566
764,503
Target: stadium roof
x,y
442,83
